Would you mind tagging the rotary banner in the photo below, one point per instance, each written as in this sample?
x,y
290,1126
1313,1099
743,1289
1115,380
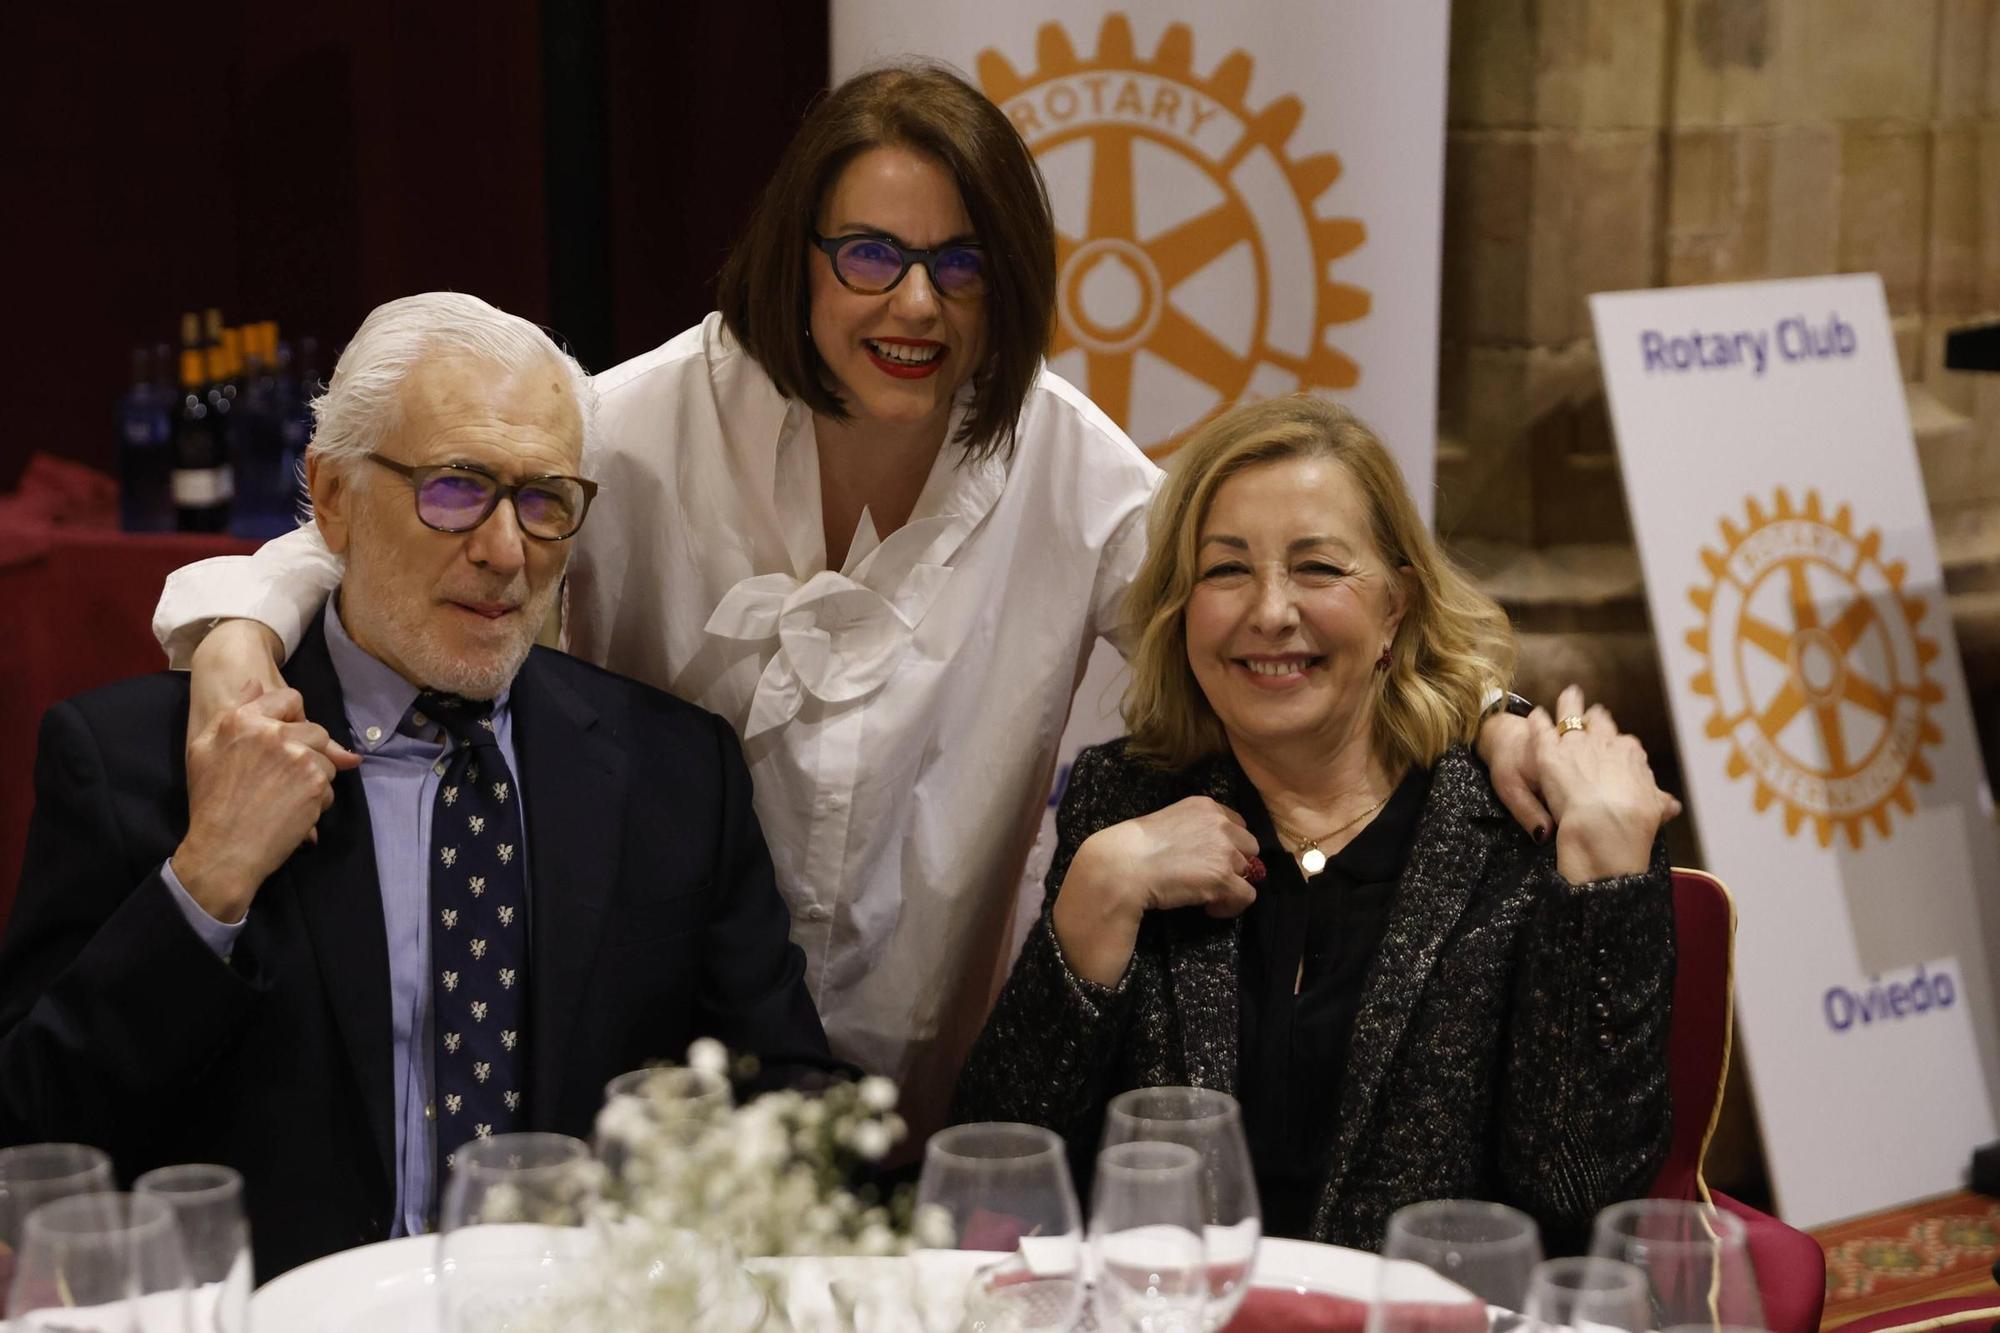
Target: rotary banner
x,y
1823,722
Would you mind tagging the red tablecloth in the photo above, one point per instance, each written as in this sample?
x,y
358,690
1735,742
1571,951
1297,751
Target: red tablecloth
x,y
78,614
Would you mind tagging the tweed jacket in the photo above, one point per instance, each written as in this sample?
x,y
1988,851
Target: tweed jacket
x,y
1511,1041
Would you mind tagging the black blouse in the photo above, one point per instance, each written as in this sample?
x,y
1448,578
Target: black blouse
x,y
1320,936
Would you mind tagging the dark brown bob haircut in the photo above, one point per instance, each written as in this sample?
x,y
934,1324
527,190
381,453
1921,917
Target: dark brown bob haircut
x,y
764,290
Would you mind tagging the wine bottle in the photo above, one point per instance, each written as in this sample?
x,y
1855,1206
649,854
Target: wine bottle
x,y
202,485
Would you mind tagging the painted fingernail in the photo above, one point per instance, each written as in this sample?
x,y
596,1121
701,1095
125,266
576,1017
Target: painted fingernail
x,y
1255,872
1541,833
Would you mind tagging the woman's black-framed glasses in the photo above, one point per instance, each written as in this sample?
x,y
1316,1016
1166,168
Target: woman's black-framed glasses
x,y
456,497
872,264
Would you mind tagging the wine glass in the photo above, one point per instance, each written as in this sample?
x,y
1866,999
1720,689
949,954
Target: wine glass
x,y
1004,1192
208,1206
1597,1294
38,1173
702,1092
1211,1123
513,1230
1146,1224
101,1263
1696,1259
1487,1248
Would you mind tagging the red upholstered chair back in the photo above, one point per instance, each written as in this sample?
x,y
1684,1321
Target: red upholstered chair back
x,y
1791,1270
1698,1042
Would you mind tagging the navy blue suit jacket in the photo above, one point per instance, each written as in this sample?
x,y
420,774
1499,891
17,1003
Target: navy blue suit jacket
x,y
656,921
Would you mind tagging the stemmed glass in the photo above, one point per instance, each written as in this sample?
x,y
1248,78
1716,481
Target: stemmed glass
x,y
1487,1248
513,1226
1146,1241
1211,1123
1696,1260
1597,1294
101,1263
38,1173
1003,1191
208,1205
665,1103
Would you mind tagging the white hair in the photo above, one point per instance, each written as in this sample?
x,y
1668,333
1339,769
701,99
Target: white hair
x,y
363,400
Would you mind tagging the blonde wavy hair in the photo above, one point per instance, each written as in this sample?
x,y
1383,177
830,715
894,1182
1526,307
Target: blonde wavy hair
x,y
1453,644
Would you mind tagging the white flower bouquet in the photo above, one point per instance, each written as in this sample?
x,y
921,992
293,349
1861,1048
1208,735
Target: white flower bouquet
x,y
688,1186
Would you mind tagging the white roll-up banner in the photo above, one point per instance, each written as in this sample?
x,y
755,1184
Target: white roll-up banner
x,y
1821,711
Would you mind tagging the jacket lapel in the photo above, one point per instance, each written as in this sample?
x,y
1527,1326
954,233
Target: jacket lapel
x,y
340,898
573,782
1203,964
1447,863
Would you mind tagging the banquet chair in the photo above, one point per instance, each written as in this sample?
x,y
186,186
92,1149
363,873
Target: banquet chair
x,y
1791,1268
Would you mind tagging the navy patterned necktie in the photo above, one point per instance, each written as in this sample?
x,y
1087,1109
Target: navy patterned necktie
x,y
479,934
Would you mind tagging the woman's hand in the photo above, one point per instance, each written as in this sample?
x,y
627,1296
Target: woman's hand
x,y
1194,853
1601,791
1507,744
239,660
234,655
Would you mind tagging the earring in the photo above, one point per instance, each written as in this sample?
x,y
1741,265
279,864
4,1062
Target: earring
x,y
1382,662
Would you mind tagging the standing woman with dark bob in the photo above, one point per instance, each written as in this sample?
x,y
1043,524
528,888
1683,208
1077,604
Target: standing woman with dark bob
x,y
853,514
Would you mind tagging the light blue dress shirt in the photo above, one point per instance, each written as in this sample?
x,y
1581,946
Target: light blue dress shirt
x,y
402,761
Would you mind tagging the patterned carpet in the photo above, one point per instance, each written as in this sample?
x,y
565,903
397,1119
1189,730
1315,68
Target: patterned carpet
x,y
1938,1247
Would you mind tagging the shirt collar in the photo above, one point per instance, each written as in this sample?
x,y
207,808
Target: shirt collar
x,y
377,699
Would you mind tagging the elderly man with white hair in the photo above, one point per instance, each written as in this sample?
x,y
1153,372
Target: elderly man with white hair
x,y
529,875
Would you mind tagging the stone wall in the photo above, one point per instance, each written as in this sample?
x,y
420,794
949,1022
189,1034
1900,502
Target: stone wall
x,y
1601,145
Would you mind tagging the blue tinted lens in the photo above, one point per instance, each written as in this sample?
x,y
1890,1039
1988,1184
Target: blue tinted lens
x,y
869,264
454,501
960,272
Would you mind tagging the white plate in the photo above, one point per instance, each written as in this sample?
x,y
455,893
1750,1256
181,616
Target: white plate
x,y
390,1287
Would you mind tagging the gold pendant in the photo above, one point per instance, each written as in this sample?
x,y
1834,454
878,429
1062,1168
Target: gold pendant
x,y
1312,860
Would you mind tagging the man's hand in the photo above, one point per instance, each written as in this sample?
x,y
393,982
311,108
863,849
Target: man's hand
x,y
259,776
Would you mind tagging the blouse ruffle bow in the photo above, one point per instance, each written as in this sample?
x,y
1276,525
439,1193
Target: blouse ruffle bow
x,y
837,638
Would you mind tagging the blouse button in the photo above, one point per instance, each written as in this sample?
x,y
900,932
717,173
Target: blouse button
x,y
374,734
1604,981
817,913
1604,1041
1602,1011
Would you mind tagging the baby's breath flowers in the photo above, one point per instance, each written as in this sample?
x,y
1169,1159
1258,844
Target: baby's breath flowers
x,y
694,1185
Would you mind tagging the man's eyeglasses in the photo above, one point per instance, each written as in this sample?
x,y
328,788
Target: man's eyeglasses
x,y
873,265
458,498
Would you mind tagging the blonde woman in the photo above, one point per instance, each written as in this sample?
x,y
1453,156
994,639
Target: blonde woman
x,y
1293,881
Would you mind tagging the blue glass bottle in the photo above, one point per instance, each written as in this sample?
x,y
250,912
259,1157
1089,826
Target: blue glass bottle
x,y
146,446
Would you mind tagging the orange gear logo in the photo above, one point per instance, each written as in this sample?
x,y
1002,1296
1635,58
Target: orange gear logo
x,y
1193,265
1816,668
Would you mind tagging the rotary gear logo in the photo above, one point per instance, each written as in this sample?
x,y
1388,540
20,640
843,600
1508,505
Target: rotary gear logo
x,y
1816,669
1193,265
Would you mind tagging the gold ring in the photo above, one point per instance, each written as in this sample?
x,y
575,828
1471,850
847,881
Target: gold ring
x,y
1569,724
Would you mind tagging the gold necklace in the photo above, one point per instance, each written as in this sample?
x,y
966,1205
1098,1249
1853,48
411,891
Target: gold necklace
x,y
1311,859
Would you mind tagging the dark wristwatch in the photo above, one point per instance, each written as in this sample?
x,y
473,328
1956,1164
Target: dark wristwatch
x,y
1508,702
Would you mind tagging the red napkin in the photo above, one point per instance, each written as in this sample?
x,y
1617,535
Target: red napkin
x,y
1287,1310
1284,1310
